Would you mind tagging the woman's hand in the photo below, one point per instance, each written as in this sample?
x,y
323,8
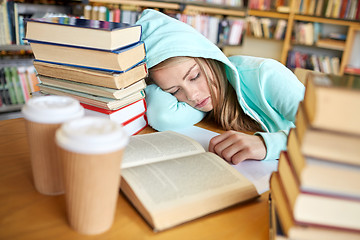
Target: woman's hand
x,y
236,147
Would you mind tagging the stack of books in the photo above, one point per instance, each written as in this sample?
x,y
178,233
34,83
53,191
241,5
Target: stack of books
x,y
315,193
97,62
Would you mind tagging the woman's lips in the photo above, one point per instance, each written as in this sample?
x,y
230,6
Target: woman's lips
x,y
203,103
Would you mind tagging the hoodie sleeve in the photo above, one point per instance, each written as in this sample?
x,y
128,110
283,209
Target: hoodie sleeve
x,y
275,143
283,92
165,112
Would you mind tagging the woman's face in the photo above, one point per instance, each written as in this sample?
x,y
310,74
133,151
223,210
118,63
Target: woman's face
x,y
187,83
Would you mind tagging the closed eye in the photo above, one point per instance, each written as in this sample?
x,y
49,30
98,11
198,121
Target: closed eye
x,y
196,77
176,91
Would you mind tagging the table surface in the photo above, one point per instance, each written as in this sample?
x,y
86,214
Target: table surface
x,y
27,214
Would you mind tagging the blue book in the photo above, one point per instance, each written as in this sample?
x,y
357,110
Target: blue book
x,y
119,60
82,32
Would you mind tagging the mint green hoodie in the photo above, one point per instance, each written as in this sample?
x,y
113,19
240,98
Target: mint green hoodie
x,y
267,91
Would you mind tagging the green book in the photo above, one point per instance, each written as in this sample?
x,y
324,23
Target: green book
x,y
10,86
17,85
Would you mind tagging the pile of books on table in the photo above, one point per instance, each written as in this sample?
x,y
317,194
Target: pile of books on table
x,y
97,62
315,194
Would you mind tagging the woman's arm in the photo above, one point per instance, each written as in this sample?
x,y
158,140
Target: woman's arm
x,y
236,147
164,112
283,92
275,92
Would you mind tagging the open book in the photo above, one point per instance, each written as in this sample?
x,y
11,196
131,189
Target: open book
x,y
171,179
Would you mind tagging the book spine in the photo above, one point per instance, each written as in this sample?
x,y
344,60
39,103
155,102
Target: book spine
x,y
10,86
23,83
85,67
17,86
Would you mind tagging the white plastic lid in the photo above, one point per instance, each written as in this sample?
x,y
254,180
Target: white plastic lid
x,y
91,135
52,109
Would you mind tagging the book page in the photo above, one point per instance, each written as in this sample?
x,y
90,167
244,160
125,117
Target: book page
x,y
258,172
201,135
163,185
158,146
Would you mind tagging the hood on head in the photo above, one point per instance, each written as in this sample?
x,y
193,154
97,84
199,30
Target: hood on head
x,y
166,37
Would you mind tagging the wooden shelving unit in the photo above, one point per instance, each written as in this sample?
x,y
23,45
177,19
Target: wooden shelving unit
x,y
186,7
348,46
13,55
150,4
268,14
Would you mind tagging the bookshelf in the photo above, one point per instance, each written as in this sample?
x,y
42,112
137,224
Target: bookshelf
x,y
14,52
348,26
203,16
188,7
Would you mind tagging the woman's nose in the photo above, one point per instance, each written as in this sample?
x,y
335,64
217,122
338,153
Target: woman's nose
x,y
192,94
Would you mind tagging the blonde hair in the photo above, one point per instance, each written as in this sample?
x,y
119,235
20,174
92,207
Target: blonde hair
x,y
227,111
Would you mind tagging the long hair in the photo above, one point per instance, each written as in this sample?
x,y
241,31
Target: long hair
x,y
227,111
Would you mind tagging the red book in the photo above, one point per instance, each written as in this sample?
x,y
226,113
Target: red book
x,y
122,115
117,15
352,70
343,9
135,125
357,16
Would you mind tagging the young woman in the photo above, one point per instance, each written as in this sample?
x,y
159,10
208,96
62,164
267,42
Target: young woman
x,y
193,78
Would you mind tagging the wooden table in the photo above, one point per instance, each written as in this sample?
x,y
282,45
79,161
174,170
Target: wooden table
x,y
26,214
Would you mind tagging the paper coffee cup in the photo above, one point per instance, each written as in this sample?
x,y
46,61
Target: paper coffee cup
x,y
43,116
91,150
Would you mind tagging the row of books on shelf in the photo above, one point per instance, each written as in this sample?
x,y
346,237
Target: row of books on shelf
x,y
17,84
69,65
125,13
308,33
315,192
344,9
219,30
232,3
266,27
116,13
319,63
277,5
12,24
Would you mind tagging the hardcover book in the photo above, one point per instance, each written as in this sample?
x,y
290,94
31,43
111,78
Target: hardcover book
x,y
323,95
134,125
95,77
121,115
320,209
290,229
82,32
170,179
101,102
330,146
317,176
118,60
92,89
